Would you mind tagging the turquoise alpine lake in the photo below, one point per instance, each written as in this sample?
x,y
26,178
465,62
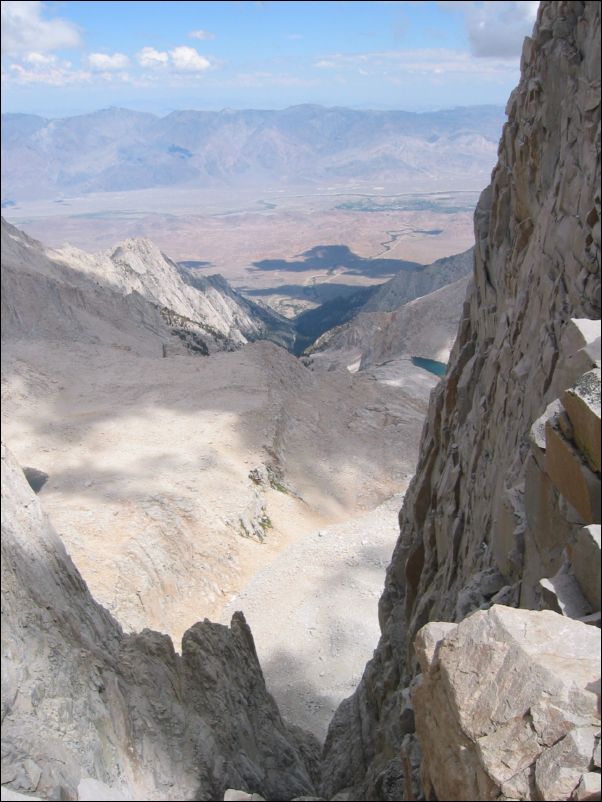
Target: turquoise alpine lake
x,y
438,368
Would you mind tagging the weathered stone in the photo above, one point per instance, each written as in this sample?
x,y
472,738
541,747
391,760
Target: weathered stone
x,y
232,795
92,790
597,755
594,348
558,770
584,554
582,403
14,796
546,524
590,786
537,432
579,352
410,759
571,476
427,641
562,594
579,333
508,524
500,696
479,591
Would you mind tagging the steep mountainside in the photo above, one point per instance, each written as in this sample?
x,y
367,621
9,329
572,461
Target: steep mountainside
x,y
425,327
117,149
406,286
491,510
413,314
171,481
42,287
149,459
45,299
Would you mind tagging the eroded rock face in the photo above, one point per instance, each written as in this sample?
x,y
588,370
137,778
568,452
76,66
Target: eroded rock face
x,y
467,538
499,690
82,700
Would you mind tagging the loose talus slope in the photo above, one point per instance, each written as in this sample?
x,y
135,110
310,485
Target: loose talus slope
x,y
466,537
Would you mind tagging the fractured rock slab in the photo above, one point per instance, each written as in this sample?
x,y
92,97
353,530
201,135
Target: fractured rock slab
x,y
502,693
569,473
582,403
590,787
559,769
584,554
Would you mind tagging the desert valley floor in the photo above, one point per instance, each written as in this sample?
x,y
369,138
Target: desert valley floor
x,y
291,248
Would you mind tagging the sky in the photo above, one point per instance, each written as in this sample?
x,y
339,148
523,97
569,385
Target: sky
x,y
64,58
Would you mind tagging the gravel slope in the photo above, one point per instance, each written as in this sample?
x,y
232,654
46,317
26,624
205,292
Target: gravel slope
x,y
313,612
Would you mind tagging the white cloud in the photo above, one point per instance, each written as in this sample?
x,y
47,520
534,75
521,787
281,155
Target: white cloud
x,y
180,59
48,71
107,63
149,57
329,63
496,29
187,59
24,29
40,59
436,61
202,35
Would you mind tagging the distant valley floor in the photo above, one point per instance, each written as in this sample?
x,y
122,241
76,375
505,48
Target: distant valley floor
x,y
265,242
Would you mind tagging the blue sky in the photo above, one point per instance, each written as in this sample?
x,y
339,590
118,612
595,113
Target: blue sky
x,y
61,58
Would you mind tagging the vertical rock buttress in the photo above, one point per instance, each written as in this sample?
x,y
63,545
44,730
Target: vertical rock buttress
x,y
483,522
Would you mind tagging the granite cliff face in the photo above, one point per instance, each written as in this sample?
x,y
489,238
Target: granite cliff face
x,y
491,516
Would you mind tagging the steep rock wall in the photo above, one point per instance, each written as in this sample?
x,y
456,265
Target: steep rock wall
x,y
465,540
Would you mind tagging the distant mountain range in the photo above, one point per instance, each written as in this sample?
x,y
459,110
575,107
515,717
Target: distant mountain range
x,y
118,149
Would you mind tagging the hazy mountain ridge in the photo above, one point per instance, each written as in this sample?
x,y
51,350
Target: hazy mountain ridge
x,y
118,149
